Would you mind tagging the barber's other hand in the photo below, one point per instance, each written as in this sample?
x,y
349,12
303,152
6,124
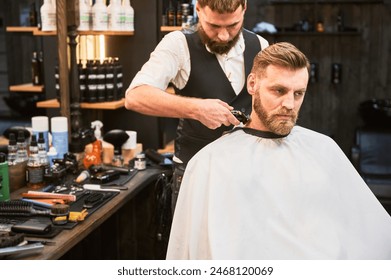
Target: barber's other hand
x,y
214,113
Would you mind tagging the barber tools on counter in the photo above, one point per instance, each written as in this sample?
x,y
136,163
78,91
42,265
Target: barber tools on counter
x,y
61,190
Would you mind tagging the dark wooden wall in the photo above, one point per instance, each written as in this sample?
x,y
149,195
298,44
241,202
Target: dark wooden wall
x,y
328,108
365,57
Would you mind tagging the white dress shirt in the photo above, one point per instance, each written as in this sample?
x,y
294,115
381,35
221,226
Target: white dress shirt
x,y
170,63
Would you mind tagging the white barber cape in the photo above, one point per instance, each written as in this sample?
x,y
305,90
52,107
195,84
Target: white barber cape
x,y
248,195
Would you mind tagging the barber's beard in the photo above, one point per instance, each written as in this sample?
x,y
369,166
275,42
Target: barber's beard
x,y
270,120
217,47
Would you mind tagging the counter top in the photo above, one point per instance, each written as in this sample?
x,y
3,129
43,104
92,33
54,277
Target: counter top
x,y
66,239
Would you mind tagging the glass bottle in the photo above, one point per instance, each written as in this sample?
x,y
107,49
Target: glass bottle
x,y
12,149
43,157
35,171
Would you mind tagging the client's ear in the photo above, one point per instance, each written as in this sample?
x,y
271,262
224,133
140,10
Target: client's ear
x,y
251,82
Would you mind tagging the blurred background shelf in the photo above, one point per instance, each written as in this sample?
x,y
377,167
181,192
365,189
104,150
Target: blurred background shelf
x,y
36,31
112,105
26,88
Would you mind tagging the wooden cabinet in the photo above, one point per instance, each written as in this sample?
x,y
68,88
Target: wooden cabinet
x,y
53,103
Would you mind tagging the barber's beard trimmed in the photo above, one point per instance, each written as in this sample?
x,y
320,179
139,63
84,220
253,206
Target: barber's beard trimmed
x,y
270,121
216,47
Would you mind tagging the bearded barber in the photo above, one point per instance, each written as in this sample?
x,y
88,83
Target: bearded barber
x,y
208,69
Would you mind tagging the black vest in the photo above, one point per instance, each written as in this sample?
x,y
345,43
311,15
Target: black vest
x,y
208,80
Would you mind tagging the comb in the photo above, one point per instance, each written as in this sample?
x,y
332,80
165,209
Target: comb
x,y
20,208
35,194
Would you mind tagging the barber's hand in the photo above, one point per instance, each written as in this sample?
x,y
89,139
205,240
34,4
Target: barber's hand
x,y
214,113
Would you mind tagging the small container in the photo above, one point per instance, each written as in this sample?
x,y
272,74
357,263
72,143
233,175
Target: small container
x,y
52,154
140,162
59,214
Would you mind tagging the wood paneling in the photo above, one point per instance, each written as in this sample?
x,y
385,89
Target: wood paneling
x,y
365,58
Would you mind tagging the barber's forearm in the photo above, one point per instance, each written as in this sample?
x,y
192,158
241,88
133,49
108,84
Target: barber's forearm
x,y
152,101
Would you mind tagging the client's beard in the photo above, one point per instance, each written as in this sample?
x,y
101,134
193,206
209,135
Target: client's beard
x,y
272,124
216,47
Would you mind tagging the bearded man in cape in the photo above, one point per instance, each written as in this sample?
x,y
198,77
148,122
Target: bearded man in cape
x,y
274,190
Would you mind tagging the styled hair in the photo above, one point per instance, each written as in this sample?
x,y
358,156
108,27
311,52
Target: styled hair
x,y
280,54
223,6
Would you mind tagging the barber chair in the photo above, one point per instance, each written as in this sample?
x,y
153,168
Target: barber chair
x,y
371,155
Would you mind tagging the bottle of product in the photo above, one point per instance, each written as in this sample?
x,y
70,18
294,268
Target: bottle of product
x,y
101,82
82,81
59,129
92,86
99,16
42,153
52,154
12,149
140,162
41,124
4,178
35,171
85,16
17,171
48,16
57,81
21,155
108,66
171,14
117,67
340,22
33,15
41,68
179,14
97,126
128,16
128,148
35,69
115,15
94,157
336,73
93,151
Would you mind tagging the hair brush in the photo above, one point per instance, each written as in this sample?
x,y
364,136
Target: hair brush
x,y
20,208
8,239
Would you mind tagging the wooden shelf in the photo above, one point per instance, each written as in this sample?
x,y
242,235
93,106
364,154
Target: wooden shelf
x,y
107,33
302,33
170,28
113,105
21,28
27,88
37,32
296,2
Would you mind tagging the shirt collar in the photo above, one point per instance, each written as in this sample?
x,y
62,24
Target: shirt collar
x,y
257,133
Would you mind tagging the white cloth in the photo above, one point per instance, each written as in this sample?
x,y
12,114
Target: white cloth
x,y
297,197
170,62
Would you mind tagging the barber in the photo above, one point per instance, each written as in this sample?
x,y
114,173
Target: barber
x,y
208,69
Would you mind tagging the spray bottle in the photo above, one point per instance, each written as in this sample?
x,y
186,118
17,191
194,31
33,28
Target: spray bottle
x,y
93,151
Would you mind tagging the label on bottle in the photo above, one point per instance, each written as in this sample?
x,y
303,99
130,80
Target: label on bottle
x,y
60,142
48,21
100,21
140,163
34,175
